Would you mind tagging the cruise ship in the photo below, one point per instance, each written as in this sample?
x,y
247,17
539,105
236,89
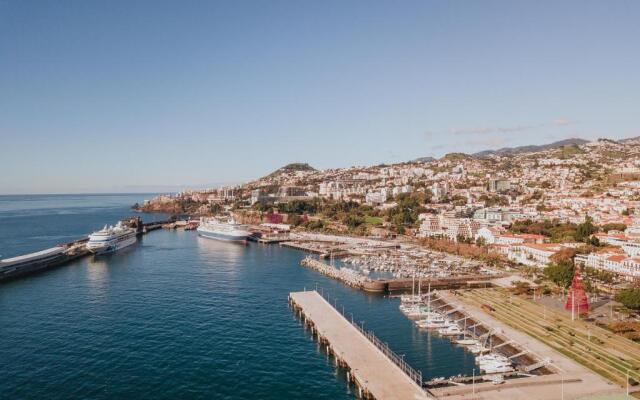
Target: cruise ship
x,y
229,230
112,238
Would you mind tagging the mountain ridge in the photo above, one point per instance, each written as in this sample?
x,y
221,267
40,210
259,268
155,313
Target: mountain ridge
x,y
531,148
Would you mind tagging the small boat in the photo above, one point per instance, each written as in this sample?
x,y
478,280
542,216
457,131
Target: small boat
x,y
450,330
465,342
478,349
493,363
432,323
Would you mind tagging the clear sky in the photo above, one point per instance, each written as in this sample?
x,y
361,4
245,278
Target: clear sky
x,y
134,95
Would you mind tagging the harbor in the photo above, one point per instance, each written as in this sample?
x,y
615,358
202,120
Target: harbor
x,y
435,284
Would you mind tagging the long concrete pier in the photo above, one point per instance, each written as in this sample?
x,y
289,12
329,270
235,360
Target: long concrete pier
x,y
370,365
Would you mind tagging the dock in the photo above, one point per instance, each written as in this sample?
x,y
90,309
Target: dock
x,y
375,370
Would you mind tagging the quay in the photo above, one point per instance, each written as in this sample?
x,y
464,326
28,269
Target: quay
x,y
375,370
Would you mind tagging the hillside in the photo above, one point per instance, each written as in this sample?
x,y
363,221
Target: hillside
x,y
531,148
291,168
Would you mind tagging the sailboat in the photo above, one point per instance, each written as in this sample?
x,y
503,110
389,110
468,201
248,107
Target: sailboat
x,y
433,319
464,341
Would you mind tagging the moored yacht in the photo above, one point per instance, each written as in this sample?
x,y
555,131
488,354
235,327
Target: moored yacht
x,y
433,322
111,238
450,330
493,363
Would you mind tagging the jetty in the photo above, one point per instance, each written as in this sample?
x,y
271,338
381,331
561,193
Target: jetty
x,y
376,371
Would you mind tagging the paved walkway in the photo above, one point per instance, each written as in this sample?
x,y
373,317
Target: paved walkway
x,y
370,367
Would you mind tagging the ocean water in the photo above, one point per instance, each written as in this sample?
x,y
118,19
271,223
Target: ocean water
x,y
177,316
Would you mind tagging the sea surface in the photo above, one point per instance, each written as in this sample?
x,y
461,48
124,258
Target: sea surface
x,y
175,316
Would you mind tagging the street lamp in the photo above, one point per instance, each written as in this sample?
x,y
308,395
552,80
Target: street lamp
x,y
473,383
627,382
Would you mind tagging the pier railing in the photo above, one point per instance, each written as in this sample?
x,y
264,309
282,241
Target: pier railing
x,y
414,375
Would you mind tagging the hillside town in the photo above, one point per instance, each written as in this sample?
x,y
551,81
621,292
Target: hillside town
x,y
573,203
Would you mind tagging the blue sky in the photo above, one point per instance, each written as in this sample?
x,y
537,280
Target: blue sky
x,y
134,95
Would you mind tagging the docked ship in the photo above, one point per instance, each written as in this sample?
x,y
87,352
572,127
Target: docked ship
x,y
221,229
111,238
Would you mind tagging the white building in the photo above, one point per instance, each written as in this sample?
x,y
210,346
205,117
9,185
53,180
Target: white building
x,y
447,227
612,261
533,254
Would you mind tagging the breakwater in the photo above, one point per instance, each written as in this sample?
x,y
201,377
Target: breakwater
x,y
347,276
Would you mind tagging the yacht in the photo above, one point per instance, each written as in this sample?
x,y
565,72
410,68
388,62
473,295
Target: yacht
x,y
111,238
450,330
494,363
223,229
478,348
466,342
433,322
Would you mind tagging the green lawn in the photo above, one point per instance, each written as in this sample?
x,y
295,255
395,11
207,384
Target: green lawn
x,y
373,220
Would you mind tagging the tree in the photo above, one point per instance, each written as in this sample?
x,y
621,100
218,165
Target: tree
x,y
295,219
629,298
613,226
585,230
564,256
354,221
560,274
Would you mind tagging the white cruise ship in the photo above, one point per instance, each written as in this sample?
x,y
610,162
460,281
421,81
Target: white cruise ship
x,y
229,230
112,238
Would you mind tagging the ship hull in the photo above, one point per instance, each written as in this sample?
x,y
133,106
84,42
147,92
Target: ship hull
x,y
226,237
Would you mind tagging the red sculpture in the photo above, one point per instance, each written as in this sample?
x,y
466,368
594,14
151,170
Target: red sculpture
x,y
577,302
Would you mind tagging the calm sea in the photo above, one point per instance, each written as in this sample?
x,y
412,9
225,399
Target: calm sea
x,y
175,316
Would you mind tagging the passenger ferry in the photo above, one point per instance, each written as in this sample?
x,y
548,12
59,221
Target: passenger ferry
x,y
110,239
220,229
